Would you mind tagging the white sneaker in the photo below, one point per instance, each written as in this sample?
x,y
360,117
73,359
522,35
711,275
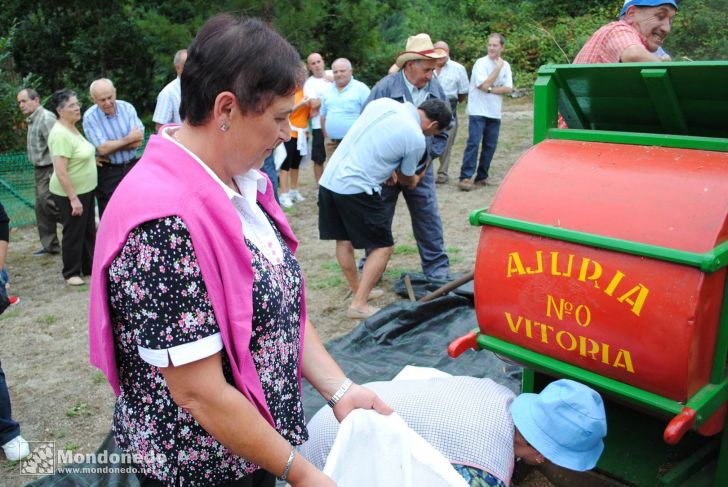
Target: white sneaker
x,y
75,281
296,196
16,449
285,200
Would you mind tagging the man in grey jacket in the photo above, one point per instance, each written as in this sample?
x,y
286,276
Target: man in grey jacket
x,y
414,83
40,121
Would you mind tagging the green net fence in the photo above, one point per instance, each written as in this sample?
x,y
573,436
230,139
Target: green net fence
x,y
17,188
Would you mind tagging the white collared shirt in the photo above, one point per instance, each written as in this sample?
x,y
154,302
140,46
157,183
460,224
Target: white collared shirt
x,y
419,95
254,224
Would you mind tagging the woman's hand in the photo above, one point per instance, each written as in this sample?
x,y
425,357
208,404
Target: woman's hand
x,y
304,474
316,479
76,206
358,397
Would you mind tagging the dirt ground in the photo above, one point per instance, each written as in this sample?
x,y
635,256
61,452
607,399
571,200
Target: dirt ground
x,y
57,396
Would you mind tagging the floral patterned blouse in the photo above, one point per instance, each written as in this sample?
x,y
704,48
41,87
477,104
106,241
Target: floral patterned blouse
x,y
158,300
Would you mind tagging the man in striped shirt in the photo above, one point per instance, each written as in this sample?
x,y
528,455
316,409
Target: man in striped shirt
x,y
114,128
168,100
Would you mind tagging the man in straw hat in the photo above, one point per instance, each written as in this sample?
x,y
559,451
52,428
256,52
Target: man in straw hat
x,y
414,83
480,426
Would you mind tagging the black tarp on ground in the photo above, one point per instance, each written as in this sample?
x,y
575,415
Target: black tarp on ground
x,y
404,333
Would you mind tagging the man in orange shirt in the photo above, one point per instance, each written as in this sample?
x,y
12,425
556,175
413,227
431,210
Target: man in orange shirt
x,y
296,149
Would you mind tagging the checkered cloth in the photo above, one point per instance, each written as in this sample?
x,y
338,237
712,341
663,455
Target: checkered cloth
x,y
465,418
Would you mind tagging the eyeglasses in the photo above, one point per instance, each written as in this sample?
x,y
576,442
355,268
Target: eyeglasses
x,y
72,106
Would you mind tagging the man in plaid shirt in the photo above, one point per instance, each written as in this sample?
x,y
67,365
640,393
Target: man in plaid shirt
x,y
636,37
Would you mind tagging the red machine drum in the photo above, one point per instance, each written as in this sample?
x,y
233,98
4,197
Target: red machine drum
x,y
645,322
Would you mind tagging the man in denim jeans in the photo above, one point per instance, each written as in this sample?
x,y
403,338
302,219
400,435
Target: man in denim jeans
x,y
490,80
14,446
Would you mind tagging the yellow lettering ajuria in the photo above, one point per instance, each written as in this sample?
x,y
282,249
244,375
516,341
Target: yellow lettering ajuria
x,y
583,346
588,271
515,265
638,302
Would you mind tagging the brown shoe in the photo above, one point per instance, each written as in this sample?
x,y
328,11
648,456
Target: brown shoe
x,y
465,185
481,183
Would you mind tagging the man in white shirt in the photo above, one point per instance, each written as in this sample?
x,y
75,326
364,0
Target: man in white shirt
x,y
454,81
490,80
385,144
314,88
167,109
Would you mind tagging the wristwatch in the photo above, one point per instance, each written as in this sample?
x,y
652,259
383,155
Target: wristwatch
x,y
490,89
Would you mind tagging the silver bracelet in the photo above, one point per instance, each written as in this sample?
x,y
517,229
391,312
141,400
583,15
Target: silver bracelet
x,y
284,475
339,392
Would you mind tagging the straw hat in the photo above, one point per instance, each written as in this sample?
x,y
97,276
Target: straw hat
x,y
419,47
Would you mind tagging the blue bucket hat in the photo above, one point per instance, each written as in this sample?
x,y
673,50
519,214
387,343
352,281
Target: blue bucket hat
x,y
646,3
565,423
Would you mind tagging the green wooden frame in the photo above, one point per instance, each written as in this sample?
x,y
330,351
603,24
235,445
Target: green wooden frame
x,y
660,86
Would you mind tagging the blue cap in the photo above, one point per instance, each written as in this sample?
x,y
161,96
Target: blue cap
x,y
646,3
565,423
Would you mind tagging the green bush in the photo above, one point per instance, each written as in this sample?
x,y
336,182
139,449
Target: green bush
x,y
133,41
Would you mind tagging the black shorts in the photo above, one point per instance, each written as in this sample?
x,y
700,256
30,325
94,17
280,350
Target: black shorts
x,y
359,218
318,151
293,157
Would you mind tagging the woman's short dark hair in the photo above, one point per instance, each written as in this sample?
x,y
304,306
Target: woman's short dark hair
x,y
59,99
437,111
240,55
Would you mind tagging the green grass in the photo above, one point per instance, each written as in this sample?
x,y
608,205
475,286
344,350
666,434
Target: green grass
x,y
80,409
454,250
99,377
10,314
331,266
325,282
405,249
72,447
49,319
394,273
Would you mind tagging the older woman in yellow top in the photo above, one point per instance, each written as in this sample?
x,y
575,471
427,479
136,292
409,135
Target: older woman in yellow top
x,y
72,187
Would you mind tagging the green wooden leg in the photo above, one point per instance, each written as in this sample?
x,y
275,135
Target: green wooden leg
x,y
528,380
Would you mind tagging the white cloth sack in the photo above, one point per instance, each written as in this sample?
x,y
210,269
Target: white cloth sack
x,y
279,155
376,450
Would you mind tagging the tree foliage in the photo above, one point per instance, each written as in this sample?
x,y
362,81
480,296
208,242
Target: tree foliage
x,y
132,42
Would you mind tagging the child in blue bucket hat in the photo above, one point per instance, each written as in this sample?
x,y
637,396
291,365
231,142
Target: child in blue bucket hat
x,y
565,423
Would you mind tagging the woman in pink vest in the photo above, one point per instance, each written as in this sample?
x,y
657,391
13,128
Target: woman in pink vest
x,y
198,314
